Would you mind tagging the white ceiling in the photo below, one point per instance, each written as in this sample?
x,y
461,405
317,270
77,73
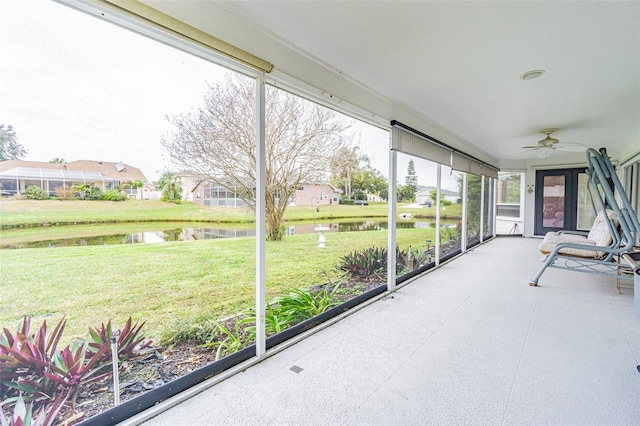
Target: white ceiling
x,y
451,69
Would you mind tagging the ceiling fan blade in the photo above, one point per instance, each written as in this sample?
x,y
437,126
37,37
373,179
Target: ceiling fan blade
x,y
573,147
534,147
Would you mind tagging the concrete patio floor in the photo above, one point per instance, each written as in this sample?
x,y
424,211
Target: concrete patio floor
x,y
469,343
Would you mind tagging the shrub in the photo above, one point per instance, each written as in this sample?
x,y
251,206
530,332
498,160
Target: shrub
x,y
371,263
64,192
80,191
407,260
361,195
347,202
233,339
200,329
299,304
85,192
94,193
114,195
35,193
276,320
365,263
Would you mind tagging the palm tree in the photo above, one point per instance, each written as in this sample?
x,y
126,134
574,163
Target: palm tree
x,y
170,185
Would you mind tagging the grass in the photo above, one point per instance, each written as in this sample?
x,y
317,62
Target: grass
x,y
20,213
54,212
159,283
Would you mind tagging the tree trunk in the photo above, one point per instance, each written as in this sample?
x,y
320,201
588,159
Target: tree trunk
x,y
274,227
274,217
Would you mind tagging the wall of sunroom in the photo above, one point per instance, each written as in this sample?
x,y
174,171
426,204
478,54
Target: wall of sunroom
x,y
476,185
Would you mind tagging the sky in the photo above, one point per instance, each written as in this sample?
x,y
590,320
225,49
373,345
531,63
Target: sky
x,y
76,87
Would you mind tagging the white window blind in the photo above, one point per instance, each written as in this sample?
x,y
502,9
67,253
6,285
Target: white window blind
x,y
412,143
157,19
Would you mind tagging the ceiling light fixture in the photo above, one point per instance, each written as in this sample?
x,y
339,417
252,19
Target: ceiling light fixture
x,y
530,75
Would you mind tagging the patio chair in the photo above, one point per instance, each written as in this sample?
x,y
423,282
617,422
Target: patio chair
x,y
603,233
613,232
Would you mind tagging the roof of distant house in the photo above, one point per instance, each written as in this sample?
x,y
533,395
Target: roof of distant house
x,y
427,189
53,174
117,171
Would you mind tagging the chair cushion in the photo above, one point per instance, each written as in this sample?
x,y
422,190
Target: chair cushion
x,y
600,229
599,236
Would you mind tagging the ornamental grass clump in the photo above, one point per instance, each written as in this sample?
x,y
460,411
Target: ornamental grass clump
x,y
300,304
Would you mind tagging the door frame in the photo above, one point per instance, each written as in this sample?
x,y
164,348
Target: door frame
x,y
570,207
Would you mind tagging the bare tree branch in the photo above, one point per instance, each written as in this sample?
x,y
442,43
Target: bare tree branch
x,y
218,142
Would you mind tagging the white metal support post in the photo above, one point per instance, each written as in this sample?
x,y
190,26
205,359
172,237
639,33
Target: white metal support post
x,y
391,232
481,208
437,201
494,205
261,345
463,231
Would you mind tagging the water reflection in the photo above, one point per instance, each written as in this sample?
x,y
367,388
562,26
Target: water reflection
x,y
201,231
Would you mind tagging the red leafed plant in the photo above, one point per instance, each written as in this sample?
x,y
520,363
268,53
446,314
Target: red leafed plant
x,y
130,340
33,368
24,360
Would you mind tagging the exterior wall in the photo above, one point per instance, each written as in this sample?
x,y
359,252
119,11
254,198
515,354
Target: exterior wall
x,y
10,187
208,194
313,194
197,194
119,172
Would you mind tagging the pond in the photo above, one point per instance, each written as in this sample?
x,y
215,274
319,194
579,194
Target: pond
x,y
160,232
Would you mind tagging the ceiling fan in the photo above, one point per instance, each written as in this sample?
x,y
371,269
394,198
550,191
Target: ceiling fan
x,y
548,145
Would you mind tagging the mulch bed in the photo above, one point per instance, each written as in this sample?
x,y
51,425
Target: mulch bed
x,y
161,366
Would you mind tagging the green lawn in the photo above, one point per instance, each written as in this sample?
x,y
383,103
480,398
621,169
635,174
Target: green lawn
x,y
53,212
161,282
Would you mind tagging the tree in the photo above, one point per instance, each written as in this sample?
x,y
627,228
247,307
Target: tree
x,y
353,174
411,182
368,180
140,184
58,160
218,142
343,164
170,185
10,148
